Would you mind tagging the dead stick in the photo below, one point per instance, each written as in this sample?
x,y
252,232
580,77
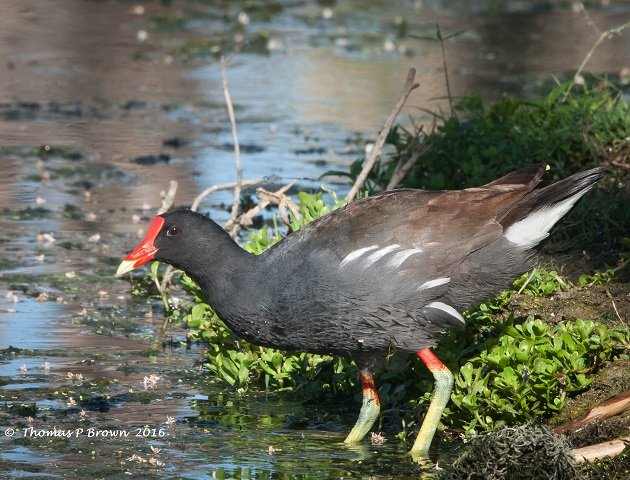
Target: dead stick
x,y
601,450
602,37
167,203
222,186
169,198
234,226
382,136
403,165
283,201
606,409
402,169
237,149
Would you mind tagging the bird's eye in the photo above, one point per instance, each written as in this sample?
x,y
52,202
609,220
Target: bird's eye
x,y
172,231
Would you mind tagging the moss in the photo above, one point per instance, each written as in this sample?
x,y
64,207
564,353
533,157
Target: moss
x,y
610,381
522,453
617,468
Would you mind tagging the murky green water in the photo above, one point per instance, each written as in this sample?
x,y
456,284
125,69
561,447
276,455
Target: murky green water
x,y
99,110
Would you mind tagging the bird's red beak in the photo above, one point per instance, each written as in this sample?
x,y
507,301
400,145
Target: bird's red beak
x,y
145,251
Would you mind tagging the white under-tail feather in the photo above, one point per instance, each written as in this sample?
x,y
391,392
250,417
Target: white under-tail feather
x,y
534,228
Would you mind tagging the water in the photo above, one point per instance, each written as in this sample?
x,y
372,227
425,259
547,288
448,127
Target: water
x,y
83,95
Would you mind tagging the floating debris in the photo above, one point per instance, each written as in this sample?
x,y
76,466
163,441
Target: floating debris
x,y
43,297
243,18
12,297
136,458
377,438
46,238
151,381
148,160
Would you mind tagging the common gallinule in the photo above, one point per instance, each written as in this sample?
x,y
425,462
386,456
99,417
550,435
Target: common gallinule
x,y
388,272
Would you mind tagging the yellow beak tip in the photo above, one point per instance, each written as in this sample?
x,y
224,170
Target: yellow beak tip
x,y
124,267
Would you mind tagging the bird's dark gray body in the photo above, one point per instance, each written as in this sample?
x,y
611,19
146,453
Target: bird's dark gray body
x,y
385,273
389,272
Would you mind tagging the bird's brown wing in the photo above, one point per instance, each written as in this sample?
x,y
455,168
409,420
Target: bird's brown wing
x,y
432,231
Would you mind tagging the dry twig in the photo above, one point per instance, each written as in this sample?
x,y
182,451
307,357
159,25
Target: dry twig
x,y
223,186
602,37
608,408
601,450
376,151
441,39
408,159
267,198
237,149
282,200
169,198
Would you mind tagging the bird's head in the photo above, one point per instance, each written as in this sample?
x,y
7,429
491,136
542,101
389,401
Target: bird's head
x,y
170,238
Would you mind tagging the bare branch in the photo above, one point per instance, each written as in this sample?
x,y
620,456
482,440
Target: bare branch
x,y
169,198
448,83
237,149
376,151
609,408
602,37
223,186
404,165
233,227
283,201
601,450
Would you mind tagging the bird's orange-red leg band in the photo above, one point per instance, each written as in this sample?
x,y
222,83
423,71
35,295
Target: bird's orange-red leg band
x,y
431,360
367,385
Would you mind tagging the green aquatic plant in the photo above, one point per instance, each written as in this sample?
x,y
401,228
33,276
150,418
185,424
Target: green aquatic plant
x,y
597,278
530,370
540,283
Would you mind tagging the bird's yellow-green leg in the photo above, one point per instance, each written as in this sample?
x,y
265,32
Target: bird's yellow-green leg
x,y
369,409
442,393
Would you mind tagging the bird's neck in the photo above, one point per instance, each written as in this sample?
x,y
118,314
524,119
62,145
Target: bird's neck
x,y
227,275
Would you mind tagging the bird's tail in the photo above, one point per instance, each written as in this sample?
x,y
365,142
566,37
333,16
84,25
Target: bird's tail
x,y
531,219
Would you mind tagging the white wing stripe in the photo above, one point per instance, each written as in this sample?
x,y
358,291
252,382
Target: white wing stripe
x,y
447,309
376,256
356,254
434,283
399,258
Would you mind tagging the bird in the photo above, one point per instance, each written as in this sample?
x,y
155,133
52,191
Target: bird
x,y
389,272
